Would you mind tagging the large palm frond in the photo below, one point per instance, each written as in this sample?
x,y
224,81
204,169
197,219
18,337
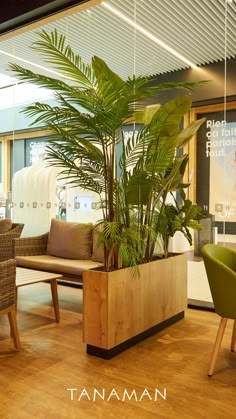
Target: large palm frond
x,y
55,52
41,80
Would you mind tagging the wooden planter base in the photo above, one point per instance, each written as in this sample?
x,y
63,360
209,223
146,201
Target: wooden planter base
x,y
110,353
120,311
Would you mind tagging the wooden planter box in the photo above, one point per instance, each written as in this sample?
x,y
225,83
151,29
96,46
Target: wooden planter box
x,y
120,310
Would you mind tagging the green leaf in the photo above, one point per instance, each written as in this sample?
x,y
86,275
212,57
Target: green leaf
x,y
187,134
163,133
175,176
145,116
105,75
139,188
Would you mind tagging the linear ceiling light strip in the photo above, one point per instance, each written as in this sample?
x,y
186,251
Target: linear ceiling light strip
x,y
142,45
149,19
119,36
149,35
113,43
33,56
94,33
15,57
178,36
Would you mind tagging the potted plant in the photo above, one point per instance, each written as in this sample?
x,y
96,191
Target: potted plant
x,y
132,179
181,218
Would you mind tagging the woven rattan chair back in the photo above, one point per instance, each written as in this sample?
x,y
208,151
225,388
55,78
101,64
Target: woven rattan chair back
x,y
6,242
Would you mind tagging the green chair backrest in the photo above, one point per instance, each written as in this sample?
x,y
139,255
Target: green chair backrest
x,y
220,264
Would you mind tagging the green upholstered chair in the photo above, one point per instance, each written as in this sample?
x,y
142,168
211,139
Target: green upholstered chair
x,y
220,264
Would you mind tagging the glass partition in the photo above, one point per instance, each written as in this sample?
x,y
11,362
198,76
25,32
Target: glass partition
x,y
166,40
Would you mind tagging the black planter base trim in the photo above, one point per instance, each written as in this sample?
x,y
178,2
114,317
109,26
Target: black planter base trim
x,y
110,353
203,308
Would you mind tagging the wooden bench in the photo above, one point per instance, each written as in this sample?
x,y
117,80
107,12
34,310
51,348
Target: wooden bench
x,y
45,252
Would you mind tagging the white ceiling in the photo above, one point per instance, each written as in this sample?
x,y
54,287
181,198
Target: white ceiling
x,y
194,28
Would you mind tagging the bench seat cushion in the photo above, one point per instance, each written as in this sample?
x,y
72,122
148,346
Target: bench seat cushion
x,y
55,264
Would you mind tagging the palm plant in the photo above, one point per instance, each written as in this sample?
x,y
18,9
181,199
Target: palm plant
x,y
87,133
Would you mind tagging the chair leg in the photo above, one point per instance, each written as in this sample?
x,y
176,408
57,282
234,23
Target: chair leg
x,y
233,340
14,328
55,299
217,344
16,299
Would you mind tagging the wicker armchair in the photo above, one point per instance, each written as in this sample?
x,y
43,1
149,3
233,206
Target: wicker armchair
x,y
8,296
31,246
6,241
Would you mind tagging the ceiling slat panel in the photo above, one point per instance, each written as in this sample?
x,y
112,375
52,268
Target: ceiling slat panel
x,y
193,28
170,29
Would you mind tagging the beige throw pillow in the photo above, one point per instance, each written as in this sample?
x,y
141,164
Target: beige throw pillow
x,y
5,225
70,240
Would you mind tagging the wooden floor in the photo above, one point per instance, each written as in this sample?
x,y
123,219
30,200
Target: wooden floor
x,y
34,381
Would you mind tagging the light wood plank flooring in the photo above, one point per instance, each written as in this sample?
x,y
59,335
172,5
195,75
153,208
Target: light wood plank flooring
x,y
34,381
